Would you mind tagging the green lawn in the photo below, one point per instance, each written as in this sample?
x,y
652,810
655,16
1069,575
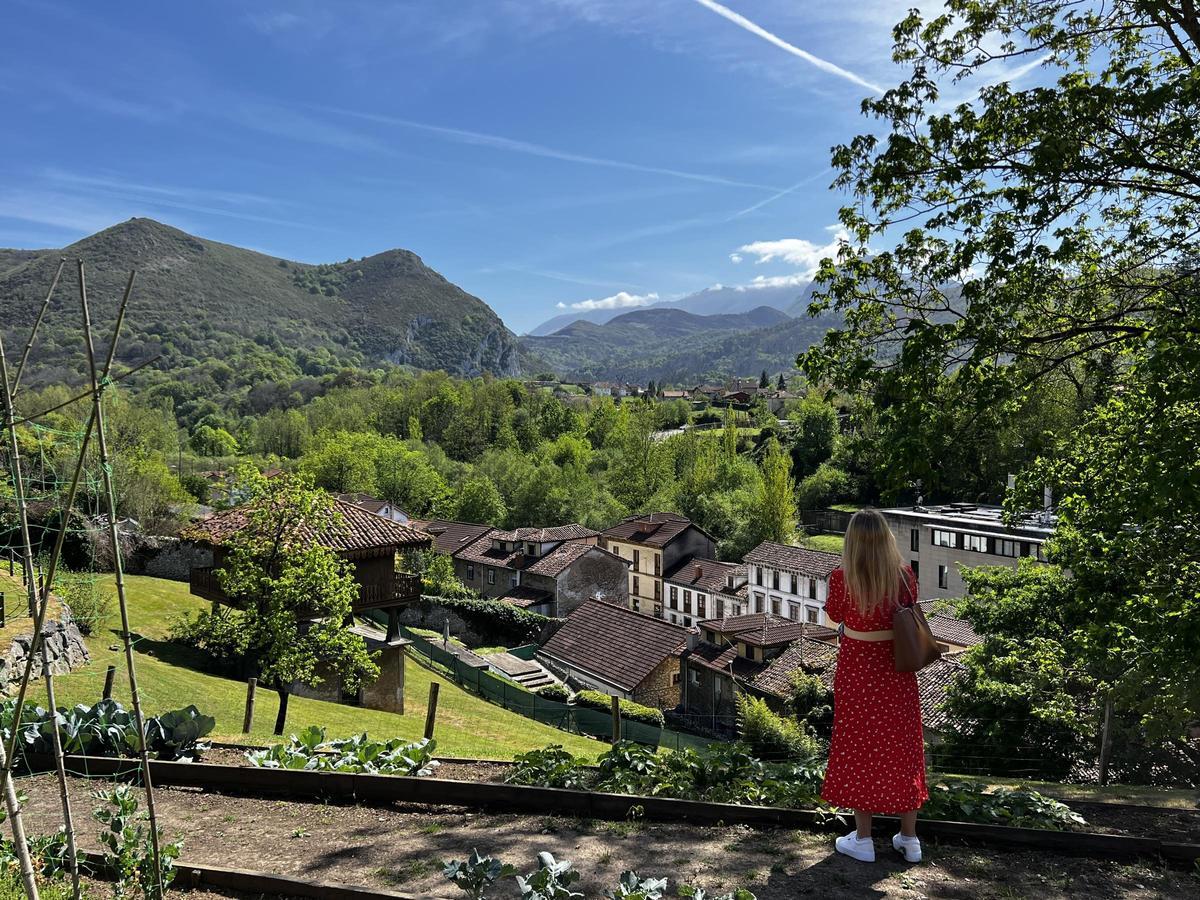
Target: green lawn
x,y
830,543
169,677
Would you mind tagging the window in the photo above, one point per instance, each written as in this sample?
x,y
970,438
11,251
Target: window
x,y
758,602
812,589
976,543
701,606
795,584
693,676
531,549
470,572
687,601
758,575
637,558
793,612
720,608
491,576
657,564
1007,548
636,604
737,609
616,548
687,622
637,585
674,597
944,538
512,580
811,615
943,577
658,591
915,565
674,679
775,579
775,606
914,540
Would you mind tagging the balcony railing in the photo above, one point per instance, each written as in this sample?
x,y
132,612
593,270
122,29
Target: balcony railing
x,y
404,587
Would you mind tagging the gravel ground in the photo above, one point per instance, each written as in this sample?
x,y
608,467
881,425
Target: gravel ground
x,y
402,847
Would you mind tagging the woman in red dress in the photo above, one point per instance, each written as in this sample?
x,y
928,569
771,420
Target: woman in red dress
x,y
877,754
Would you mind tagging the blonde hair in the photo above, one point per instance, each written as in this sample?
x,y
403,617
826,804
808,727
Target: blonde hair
x,y
871,561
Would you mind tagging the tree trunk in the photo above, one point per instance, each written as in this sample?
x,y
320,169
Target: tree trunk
x,y
281,719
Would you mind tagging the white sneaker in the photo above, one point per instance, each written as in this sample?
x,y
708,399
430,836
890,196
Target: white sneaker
x,y
862,849
908,847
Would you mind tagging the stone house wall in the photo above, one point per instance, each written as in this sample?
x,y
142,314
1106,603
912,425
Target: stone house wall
x,y
660,688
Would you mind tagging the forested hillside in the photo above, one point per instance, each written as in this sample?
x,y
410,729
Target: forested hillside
x,y
239,328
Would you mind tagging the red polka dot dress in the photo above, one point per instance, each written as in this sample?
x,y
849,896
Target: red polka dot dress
x,y
877,755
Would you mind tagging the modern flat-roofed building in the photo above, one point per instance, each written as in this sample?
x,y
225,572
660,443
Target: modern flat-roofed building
x,y
937,540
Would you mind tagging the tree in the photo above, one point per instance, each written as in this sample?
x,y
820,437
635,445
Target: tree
x,y
812,429
209,441
763,381
781,384
650,392
775,505
824,487
479,501
1049,233
295,595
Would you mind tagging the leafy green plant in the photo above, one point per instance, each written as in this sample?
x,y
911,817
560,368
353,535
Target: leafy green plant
x,y
220,637
310,750
970,801
91,605
551,881
699,894
633,712
633,886
477,873
771,736
555,691
128,848
176,734
549,767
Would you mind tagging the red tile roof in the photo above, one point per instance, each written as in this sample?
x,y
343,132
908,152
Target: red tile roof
x,y
359,530
951,630
614,643
564,556
720,658
570,532
525,596
766,630
814,563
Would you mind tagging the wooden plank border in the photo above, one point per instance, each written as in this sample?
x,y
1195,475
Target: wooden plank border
x,y
593,804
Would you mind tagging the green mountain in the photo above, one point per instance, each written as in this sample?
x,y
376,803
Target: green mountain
x,y
676,346
229,321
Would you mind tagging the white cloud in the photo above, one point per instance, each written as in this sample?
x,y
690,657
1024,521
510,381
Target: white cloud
x,y
619,300
798,252
735,257
757,30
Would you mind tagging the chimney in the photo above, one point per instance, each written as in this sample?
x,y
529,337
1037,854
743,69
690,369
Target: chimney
x,y
699,571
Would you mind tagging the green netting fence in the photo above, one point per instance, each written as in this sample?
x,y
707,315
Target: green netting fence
x,y
471,673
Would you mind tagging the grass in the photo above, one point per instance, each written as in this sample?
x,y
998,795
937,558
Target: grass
x,y
16,608
169,677
1135,794
436,638
830,543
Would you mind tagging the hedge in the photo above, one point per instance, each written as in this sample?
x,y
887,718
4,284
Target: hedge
x,y
506,623
634,712
554,691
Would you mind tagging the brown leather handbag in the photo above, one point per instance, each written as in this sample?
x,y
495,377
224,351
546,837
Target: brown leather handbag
x,y
912,638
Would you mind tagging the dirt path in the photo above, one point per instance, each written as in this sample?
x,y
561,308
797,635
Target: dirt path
x,y
403,848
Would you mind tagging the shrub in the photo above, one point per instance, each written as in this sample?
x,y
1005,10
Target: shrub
x,y
90,604
218,635
555,691
633,712
771,736
964,800
812,702
495,621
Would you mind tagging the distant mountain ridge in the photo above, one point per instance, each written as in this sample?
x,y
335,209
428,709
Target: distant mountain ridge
x,y
198,302
791,299
676,346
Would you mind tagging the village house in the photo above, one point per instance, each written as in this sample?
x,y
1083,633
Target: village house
x,y
374,505
673,394
449,536
937,540
612,649
654,543
369,543
704,588
792,582
547,570
726,656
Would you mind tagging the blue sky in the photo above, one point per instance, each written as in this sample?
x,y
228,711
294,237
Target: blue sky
x,y
536,152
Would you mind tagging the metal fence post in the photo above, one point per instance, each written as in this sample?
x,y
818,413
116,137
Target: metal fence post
x,y
616,719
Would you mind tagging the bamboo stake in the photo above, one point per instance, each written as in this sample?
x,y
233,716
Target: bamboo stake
x,y
37,323
115,539
20,844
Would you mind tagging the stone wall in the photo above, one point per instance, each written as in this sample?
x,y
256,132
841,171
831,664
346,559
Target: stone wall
x,y
660,688
432,615
64,643
163,557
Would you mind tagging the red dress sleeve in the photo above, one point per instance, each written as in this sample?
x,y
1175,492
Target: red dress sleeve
x,y
835,603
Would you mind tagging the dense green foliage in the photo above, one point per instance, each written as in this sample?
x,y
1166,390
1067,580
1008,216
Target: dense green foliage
x,y
633,712
1040,312
771,736
312,750
495,621
128,846
106,728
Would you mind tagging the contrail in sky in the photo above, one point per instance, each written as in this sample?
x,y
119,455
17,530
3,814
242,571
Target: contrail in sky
x,y
755,29
761,203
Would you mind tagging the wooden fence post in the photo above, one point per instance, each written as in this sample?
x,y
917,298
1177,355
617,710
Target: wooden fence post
x,y
251,684
1106,740
616,717
431,713
108,682
2,609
